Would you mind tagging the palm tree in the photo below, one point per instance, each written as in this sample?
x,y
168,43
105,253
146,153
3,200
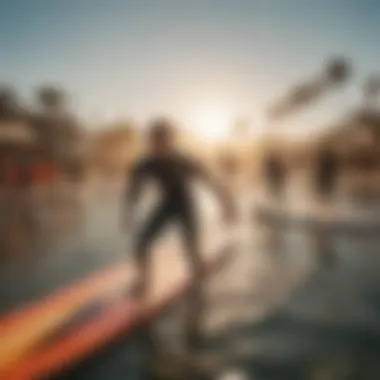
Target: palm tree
x,y
56,127
51,99
336,73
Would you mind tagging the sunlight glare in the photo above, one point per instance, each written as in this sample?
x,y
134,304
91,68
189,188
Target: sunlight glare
x,y
213,122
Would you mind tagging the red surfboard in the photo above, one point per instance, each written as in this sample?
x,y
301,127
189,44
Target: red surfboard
x,y
23,329
120,317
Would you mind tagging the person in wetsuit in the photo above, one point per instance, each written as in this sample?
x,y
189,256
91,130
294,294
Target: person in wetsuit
x,y
274,173
173,172
326,173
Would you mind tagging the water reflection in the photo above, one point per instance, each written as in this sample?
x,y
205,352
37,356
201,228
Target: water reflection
x,y
329,326
323,245
30,220
322,324
43,243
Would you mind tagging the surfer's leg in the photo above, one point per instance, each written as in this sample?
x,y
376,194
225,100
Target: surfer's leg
x,y
158,219
149,232
195,307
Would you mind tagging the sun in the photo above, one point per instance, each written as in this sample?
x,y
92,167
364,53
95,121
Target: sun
x,y
212,122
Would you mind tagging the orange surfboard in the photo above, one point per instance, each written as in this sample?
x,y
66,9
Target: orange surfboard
x,y
119,318
25,328
107,278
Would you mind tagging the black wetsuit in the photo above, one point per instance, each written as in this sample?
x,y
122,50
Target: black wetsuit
x,y
173,175
274,173
326,173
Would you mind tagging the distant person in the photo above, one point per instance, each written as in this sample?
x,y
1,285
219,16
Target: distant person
x,y
326,173
274,172
173,172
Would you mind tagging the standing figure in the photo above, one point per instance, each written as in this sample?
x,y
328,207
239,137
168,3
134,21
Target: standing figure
x,y
326,173
274,173
173,172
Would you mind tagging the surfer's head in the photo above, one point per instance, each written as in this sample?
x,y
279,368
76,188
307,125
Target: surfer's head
x,y
161,135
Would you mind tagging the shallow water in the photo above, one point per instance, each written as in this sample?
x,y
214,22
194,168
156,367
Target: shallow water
x,y
292,305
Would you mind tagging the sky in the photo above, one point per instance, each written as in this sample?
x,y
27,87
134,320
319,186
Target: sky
x,y
196,60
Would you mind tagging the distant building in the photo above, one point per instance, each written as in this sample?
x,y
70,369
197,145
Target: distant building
x,y
60,141
38,149
18,152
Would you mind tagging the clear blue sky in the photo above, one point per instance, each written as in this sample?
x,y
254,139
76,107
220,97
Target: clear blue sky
x,y
143,57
